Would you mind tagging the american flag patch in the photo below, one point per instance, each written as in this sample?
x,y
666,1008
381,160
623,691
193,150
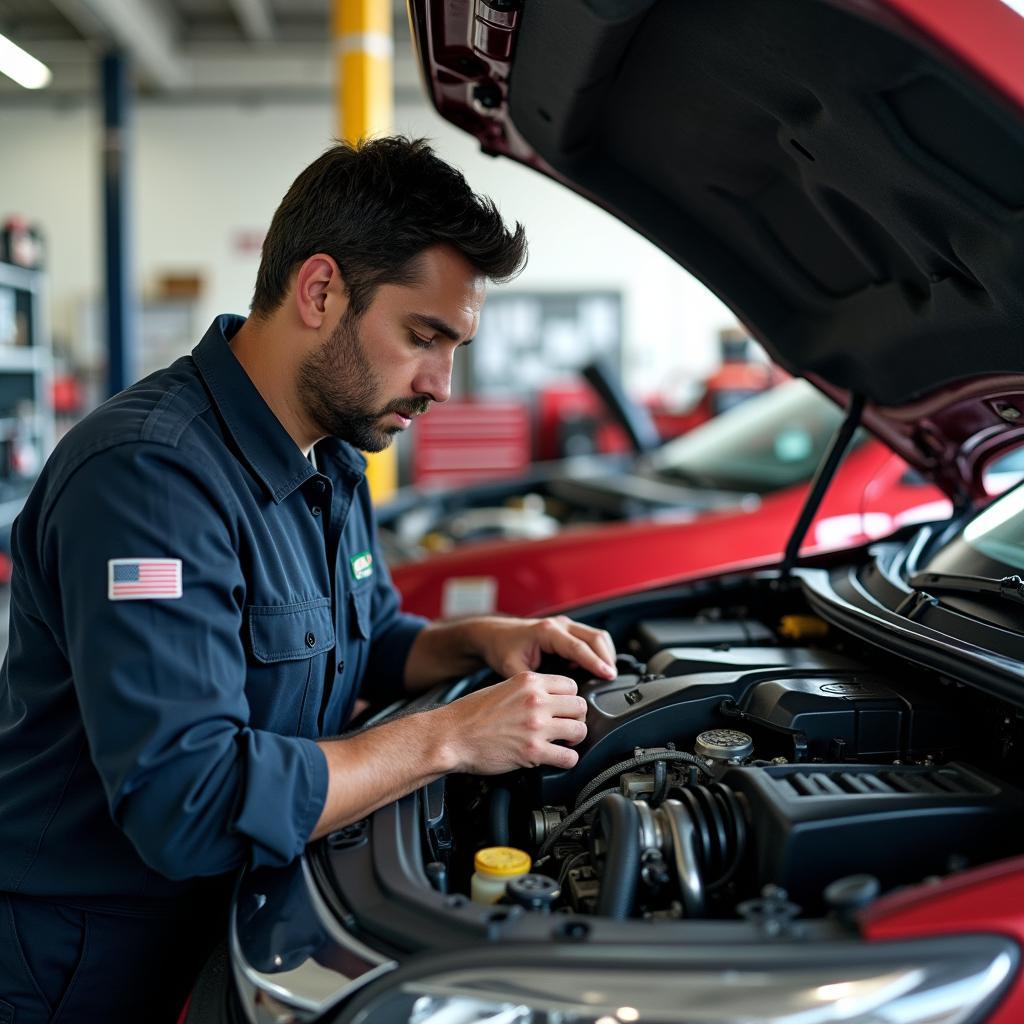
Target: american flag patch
x,y
142,579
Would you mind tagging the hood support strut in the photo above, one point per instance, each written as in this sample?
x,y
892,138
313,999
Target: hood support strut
x,y
822,478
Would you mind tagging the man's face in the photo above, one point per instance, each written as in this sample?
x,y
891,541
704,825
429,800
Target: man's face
x,y
374,373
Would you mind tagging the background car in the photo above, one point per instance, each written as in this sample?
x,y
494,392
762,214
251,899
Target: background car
x,y
730,463
874,493
764,460
801,799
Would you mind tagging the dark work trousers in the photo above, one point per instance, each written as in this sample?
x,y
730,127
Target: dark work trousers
x,y
70,964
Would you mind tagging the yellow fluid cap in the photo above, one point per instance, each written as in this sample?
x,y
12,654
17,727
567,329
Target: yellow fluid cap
x,y
501,861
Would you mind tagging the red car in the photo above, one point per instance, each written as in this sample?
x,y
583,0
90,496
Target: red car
x,y
802,799
728,465
754,463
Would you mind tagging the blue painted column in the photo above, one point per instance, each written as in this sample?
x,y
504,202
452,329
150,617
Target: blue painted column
x,y
120,304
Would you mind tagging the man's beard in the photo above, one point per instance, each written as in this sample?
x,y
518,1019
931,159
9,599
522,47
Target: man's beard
x,y
340,391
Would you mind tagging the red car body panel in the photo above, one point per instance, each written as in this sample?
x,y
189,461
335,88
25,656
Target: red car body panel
x,y
986,899
986,37
870,497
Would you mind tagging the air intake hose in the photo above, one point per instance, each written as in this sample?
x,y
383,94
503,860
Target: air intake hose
x,y
619,823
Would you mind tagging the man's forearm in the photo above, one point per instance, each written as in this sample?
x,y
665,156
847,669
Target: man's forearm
x,y
381,764
442,650
378,765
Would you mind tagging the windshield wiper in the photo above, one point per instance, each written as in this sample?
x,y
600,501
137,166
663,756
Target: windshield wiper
x,y
1010,587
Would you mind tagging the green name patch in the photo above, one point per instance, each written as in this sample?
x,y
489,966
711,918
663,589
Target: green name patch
x,y
361,565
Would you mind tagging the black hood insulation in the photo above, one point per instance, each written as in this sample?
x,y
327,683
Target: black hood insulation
x,y
857,201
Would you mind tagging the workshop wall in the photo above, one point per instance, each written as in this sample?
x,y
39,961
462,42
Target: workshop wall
x,y
206,181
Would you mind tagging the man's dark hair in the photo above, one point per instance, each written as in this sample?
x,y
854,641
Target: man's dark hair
x,y
374,207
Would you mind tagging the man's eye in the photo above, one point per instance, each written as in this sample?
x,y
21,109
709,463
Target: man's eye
x,y
420,342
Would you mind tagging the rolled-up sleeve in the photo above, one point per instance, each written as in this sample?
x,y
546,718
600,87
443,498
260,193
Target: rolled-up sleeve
x,y
161,680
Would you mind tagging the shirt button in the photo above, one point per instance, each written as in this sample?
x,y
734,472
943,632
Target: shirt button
x,y
310,640
341,667
320,487
315,510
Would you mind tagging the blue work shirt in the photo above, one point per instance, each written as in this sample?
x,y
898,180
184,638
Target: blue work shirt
x,y
146,737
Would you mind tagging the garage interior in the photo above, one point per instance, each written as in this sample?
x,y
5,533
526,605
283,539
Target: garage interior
x,y
773,610
196,87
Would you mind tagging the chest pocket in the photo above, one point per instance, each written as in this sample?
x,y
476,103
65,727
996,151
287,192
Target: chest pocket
x,y
288,646
288,632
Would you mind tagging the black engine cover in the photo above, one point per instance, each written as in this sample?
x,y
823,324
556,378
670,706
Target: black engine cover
x,y
796,703
812,824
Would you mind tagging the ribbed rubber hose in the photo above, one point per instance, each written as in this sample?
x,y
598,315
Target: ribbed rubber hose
x,y
620,825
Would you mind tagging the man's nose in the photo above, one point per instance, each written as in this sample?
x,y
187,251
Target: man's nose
x,y
435,379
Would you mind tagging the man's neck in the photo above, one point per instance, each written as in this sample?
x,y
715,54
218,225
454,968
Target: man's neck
x,y
262,349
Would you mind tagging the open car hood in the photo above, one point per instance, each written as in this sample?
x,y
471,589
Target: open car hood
x,y
847,176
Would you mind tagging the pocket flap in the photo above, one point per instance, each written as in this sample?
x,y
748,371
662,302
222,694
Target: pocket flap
x,y
288,632
362,601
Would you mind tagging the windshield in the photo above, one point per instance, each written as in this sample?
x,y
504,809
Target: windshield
x,y
992,544
773,441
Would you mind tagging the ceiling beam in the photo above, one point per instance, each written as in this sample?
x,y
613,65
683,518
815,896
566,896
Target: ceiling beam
x,y
236,71
82,20
256,19
243,69
141,29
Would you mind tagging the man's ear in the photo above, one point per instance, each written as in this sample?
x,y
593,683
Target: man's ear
x,y
318,290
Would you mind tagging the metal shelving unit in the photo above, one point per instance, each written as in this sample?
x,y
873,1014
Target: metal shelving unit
x,y
26,375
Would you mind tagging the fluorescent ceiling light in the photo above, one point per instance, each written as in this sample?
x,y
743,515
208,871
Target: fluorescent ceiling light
x,y
23,67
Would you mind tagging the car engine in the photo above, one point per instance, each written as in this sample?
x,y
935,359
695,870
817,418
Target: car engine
x,y
747,765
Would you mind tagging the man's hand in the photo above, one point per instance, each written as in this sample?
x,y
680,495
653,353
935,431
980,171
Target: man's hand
x,y
446,650
516,645
528,720
519,723
514,724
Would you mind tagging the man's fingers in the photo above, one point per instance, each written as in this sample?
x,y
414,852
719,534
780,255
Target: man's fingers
x,y
522,644
569,729
590,648
559,684
599,639
567,707
572,648
556,756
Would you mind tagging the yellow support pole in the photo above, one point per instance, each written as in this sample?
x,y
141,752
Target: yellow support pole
x,y
364,103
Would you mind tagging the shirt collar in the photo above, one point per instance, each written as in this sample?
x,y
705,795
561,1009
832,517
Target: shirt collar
x,y
266,446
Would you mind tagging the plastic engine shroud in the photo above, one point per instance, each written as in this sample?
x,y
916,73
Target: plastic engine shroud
x,y
797,703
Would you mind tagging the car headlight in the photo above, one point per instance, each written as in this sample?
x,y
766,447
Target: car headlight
x,y
936,982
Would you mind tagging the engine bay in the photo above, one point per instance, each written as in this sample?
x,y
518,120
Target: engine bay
x,y
748,762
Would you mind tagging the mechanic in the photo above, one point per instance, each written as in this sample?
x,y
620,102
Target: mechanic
x,y
198,600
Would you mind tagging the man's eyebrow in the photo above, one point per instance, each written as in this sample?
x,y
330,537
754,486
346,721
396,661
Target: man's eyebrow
x,y
437,324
